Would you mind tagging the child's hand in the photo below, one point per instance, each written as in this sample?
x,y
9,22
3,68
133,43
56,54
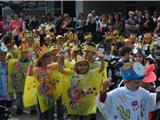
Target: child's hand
x,y
100,55
106,84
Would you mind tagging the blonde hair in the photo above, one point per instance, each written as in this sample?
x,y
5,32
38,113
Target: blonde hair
x,y
90,14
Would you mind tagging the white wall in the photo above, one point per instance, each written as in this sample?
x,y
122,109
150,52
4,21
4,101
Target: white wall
x,y
79,7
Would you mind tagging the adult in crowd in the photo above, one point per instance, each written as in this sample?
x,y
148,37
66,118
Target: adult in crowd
x,y
131,25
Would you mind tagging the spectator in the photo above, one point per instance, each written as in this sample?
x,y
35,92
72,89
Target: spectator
x,y
56,21
4,25
34,23
50,27
110,19
90,25
149,24
67,24
140,19
80,26
131,25
154,16
15,23
26,23
118,24
103,23
157,29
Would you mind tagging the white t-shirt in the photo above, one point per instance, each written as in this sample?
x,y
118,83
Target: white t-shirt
x,y
124,104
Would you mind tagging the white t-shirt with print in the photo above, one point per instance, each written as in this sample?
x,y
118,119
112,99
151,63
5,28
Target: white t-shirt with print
x,y
124,104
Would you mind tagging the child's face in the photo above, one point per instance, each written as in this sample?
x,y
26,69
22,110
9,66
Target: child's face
x,y
30,41
53,55
139,58
47,61
133,84
48,41
82,67
25,55
61,42
3,57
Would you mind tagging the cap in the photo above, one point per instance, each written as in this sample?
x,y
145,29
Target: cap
x,y
132,71
150,76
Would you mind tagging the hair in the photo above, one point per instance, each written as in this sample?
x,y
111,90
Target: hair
x,y
123,50
56,14
42,59
81,14
150,61
7,39
90,14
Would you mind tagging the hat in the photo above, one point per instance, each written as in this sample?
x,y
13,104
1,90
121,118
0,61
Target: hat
x,y
108,37
90,48
71,34
53,47
147,35
132,71
120,39
39,51
75,48
126,40
48,36
115,32
88,36
3,48
59,37
80,59
150,76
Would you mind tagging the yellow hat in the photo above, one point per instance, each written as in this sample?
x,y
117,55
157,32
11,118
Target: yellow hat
x,y
59,37
115,32
147,35
90,48
53,47
80,59
75,48
48,36
126,40
133,36
23,46
71,34
88,37
39,51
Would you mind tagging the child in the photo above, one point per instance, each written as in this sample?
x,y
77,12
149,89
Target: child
x,y
148,84
130,102
5,98
17,74
80,86
44,89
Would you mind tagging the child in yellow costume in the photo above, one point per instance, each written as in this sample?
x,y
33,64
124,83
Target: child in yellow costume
x,y
17,74
57,87
90,54
81,86
71,39
43,80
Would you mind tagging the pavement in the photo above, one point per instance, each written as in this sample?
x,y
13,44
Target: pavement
x,y
27,116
